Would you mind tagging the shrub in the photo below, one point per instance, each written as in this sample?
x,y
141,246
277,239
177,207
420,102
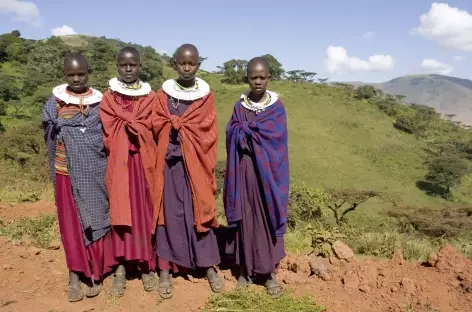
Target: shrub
x,y
306,204
445,222
446,172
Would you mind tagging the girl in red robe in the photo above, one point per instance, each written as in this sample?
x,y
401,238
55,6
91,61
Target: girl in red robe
x,y
125,112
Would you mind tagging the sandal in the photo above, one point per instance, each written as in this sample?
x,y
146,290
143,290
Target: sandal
x,y
242,282
75,292
93,291
273,288
118,284
215,281
149,281
165,289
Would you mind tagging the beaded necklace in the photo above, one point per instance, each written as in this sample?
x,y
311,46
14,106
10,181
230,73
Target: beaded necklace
x,y
84,110
181,88
258,107
133,86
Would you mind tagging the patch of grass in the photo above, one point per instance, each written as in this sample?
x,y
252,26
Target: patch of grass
x,y
253,300
41,230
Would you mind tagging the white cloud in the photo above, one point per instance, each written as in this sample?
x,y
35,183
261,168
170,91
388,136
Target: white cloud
x,y
337,61
459,58
63,31
433,66
24,11
369,34
450,26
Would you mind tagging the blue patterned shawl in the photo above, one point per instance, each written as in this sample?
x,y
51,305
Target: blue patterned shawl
x,y
268,136
86,164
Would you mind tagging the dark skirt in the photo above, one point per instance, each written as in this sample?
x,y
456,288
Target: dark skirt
x,y
92,261
254,247
177,243
135,244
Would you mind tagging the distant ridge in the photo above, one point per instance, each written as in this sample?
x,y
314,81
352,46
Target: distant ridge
x,y
448,95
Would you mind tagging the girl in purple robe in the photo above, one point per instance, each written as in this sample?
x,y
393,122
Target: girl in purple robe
x,y
257,180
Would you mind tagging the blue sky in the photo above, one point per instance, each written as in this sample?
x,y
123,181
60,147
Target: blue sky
x,y
298,33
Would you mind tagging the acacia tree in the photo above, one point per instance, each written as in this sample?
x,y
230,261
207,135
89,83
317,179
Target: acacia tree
x,y
342,202
298,75
308,76
295,75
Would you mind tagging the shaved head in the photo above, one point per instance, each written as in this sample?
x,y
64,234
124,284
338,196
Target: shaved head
x,y
77,59
258,62
76,72
186,63
257,76
129,51
187,48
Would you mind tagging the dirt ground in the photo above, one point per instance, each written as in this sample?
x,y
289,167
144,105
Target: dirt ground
x,y
33,279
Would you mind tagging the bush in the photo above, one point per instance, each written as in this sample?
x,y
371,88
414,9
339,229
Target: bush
x,y
447,222
365,92
42,230
306,204
3,108
446,172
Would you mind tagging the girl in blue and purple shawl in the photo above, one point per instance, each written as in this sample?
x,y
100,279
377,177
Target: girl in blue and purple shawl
x,y
257,180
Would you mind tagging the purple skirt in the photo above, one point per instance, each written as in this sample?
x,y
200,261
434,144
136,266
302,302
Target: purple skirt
x,y
254,247
93,261
177,243
135,245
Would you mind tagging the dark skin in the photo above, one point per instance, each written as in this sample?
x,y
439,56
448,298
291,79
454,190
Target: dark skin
x,y
187,63
128,64
258,76
76,73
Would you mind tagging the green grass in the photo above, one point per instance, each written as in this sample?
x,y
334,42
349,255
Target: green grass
x,y
253,300
41,230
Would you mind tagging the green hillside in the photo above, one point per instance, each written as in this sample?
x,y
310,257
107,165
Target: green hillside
x,y
339,138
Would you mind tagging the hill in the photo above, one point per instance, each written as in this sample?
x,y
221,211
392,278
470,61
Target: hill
x,y
336,140
448,95
340,140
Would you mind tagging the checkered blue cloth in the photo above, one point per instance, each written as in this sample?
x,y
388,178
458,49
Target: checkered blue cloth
x,y
86,164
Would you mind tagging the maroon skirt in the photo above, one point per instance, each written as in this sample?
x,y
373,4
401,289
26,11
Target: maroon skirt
x,y
94,260
135,245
